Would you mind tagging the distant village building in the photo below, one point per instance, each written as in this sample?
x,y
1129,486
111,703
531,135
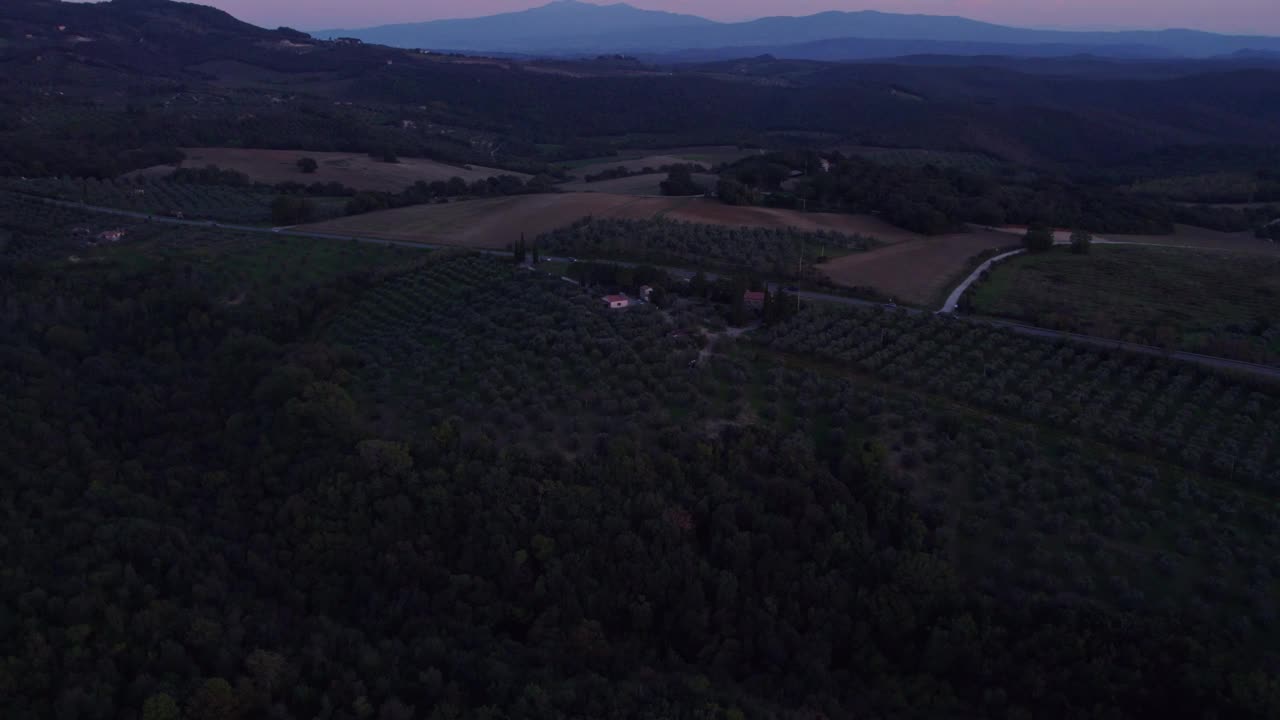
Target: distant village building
x,y
616,302
111,235
348,41
645,292
753,299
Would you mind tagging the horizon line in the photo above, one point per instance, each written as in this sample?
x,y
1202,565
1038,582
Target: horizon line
x,y
869,11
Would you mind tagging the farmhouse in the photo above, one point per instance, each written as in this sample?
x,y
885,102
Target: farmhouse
x,y
111,235
753,299
348,41
616,301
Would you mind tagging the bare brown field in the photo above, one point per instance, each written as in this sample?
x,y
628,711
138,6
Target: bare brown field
x,y
713,212
917,271
634,185
497,222
351,169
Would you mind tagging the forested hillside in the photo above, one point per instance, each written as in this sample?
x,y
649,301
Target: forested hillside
x,y
279,476
251,479
932,199
131,81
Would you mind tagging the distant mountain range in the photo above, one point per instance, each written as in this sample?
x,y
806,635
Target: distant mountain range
x,y
569,27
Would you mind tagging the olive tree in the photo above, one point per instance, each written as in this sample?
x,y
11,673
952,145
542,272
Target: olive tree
x,y
1081,241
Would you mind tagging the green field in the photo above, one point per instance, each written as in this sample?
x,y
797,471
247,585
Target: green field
x,y
1212,302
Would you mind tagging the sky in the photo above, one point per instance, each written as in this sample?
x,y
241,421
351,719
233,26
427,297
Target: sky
x,y
1256,17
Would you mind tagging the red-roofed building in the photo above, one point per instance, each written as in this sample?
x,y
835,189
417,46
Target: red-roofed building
x,y
753,299
616,301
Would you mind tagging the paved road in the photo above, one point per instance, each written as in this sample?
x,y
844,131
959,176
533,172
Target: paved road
x,y
1206,360
954,298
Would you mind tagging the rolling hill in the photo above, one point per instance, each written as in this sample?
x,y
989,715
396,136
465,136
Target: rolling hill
x,y
561,21
137,79
569,27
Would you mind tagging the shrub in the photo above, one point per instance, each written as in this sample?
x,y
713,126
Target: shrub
x,y
1081,241
1038,239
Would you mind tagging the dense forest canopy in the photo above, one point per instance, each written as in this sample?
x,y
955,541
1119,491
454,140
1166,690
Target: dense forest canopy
x,y
932,199
257,480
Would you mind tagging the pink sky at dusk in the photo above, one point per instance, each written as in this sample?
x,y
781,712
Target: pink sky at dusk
x,y
1256,17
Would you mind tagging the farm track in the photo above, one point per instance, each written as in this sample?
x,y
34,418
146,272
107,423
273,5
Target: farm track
x,y
1218,363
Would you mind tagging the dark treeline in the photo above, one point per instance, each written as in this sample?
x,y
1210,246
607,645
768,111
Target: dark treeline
x,y
1228,219
935,200
622,171
422,192
1255,187
364,200
680,182
106,142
